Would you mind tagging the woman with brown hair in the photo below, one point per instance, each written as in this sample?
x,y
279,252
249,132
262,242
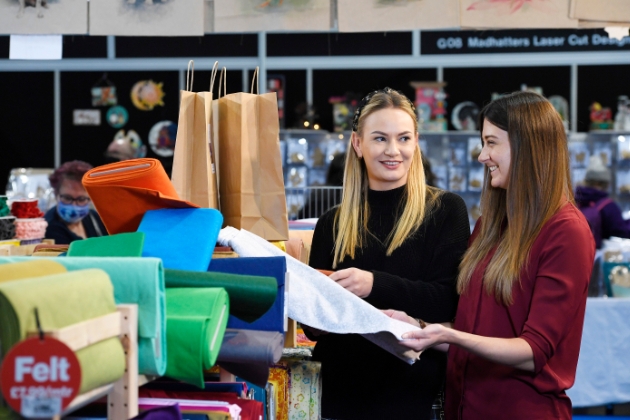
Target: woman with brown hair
x,y
395,242
523,281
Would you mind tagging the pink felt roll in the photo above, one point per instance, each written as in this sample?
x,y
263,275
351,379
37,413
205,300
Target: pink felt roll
x,y
30,228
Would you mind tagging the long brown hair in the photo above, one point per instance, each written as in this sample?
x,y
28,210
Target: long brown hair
x,y
538,184
351,218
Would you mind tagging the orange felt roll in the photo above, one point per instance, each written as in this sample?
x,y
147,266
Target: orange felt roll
x,y
123,191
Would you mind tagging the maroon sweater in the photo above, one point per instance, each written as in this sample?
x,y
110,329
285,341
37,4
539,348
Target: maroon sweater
x,y
548,313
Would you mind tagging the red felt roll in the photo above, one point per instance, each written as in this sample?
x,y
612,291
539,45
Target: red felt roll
x,y
26,209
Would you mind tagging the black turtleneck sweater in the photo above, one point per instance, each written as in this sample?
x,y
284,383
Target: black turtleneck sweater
x,y
361,380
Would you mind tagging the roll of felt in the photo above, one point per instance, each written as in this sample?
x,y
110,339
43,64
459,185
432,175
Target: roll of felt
x,y
135,280
183,238
195,324
7,228
170,412
120,245
28,268
123,191
249,354
4,207
63,300
250,296
30,228
26,209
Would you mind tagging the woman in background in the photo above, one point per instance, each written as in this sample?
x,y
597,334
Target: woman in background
x,y
72,219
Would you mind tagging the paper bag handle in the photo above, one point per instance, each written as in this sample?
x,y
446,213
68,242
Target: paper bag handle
x,y
256,78
223,82
214,75
190,75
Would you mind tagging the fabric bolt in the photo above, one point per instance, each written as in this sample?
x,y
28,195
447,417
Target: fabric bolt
x,y
305,390
28,268
250,296
191,405
7,228
141,184
249,354
195,320
135,280
63,300
183,238
279,378
275,318
59,231
547,312
26,209
4,207
120,245
51,248
170,412
321,303
30,228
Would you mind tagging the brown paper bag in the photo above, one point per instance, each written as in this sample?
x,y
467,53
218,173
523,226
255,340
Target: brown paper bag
x,y
512,15
250,167
603,11
193,173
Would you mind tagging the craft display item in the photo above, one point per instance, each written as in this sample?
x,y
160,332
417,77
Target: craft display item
x,y
104,92
117,116
162,138
146,95
430,105
26,209
7,228
30,228
4,208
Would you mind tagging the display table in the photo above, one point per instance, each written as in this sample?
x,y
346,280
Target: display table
x,y
603,372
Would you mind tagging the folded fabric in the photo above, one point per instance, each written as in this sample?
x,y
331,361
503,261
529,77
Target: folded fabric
x,y
28,268
63,300
170,412
195,321
275,318
317,301
305,391
250,296
120,245
195,405
135,280
123,191
183,238
249,354
51,248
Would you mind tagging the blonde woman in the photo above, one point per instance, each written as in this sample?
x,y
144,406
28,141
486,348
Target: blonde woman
x,y
523,280
395,242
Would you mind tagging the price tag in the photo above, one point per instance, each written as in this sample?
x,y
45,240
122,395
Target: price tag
x,y
40,377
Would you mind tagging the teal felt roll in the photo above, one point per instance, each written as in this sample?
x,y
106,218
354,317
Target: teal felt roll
x,y
135,280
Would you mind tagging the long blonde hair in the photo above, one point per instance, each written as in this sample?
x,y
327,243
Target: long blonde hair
x,y
351,218
538,181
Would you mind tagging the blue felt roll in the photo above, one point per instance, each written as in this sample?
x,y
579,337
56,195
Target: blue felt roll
x,y
183,238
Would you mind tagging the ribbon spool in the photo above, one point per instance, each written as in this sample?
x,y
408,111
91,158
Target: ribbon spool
x,y
30,228
26,209
7,228
4,208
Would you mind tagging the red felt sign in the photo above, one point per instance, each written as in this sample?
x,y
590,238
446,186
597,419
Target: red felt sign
x,y
40,378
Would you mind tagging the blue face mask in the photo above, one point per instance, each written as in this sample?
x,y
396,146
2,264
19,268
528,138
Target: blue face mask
x,y
71,213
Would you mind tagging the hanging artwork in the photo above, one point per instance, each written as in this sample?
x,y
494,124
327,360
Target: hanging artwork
x,y
516,14
604,11
397,15
104,92
162,138
43,16
147,17
271,15
146,95
117,116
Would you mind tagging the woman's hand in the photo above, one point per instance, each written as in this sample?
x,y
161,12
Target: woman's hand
x,y
354,280
401,316
430,336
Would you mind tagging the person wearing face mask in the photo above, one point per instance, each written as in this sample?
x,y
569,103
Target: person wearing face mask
x,y
514,346
395,242
72,219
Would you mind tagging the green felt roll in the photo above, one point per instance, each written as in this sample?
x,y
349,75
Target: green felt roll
x,y
136,280
250,296
63,300
120,245
195,324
